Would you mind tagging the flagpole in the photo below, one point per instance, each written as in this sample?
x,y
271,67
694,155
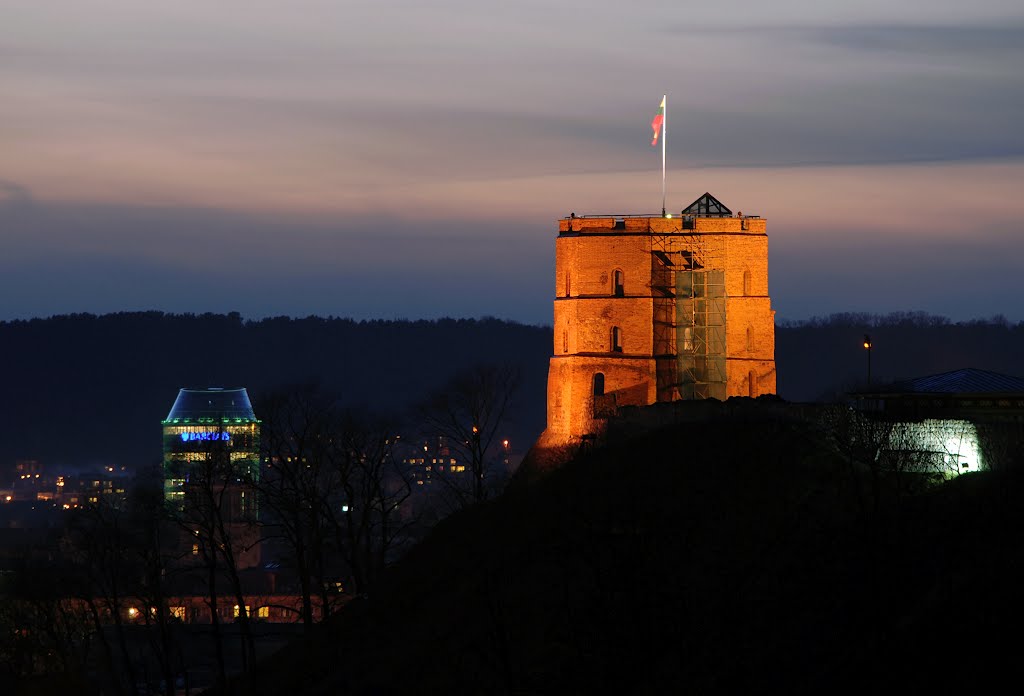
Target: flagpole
x,y
664,135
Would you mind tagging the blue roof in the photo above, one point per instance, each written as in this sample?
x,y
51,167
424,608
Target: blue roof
x,y
211,403
966,381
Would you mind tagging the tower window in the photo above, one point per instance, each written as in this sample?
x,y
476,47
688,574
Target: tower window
x,y
752,384
750,339
565,340
618,286
747,283
598,384
567,293
616,339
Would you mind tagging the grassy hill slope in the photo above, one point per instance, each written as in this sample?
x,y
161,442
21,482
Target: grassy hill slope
x,y
731,556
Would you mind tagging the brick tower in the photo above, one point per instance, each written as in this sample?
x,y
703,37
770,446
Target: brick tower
x,y
651,309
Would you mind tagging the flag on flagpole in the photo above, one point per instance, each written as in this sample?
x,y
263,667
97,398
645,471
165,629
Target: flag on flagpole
x,y
658,121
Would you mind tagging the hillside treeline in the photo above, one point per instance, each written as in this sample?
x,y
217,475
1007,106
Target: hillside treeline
x,y
83,389
822,358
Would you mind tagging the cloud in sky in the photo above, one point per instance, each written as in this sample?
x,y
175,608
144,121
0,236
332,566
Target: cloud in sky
x,y
293,140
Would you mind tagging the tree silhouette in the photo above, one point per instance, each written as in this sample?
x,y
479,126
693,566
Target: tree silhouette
x,y
471,412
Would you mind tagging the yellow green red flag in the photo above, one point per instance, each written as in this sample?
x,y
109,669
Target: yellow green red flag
x,y
658,122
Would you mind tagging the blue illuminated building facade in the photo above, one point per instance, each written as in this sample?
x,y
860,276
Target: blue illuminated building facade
x,y
214,434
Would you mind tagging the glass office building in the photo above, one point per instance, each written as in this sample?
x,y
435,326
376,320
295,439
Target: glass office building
x,y
212,434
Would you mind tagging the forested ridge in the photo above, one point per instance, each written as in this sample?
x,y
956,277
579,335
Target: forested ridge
x,y
821,358
81,389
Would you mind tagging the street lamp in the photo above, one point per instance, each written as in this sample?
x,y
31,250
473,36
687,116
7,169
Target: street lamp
x,y
867,347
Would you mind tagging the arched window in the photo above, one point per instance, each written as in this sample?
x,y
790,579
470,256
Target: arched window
x,y
618,284
598,384
747,283
616,339
565,340
567,286
752,384
750,339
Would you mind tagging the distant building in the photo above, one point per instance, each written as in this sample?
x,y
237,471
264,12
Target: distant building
x,y
657,309
206,423
954,422
28,467
65,491
433,460
211,444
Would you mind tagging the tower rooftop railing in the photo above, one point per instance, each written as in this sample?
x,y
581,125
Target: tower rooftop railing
x,y
624,216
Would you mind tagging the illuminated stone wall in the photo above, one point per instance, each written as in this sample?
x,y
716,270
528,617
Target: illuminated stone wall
x,y
602,329
948,447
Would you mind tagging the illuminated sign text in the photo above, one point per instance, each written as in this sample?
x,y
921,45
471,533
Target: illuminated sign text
x,y
205,437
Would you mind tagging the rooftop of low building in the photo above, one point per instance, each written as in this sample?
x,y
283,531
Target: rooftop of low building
x,y
964,381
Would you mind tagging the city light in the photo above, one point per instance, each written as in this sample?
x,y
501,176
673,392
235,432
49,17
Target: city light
x,y
867,347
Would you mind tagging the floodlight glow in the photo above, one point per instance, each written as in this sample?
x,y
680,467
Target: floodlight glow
x,y
953,444
963,449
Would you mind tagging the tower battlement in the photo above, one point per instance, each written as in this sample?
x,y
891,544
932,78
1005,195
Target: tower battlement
x,y
647,224
652,309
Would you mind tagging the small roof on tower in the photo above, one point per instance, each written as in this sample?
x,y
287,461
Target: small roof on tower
x,y
707,206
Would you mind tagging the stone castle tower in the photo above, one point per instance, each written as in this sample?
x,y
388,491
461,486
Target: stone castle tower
x,y
651,309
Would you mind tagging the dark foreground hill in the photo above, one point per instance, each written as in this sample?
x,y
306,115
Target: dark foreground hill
x,y
736,556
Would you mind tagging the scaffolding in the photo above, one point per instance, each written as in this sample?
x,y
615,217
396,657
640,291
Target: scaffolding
x,y
688,287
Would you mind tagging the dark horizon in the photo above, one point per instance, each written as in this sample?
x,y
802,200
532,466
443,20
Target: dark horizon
x,y
853,315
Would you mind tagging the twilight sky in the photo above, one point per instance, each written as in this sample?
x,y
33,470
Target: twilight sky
x,y
409,159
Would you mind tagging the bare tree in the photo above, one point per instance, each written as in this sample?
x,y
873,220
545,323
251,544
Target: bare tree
x,y
150,531
333,492
470,411
366,510
1000,444
98,548
862,440
44,630
299,446
214,516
